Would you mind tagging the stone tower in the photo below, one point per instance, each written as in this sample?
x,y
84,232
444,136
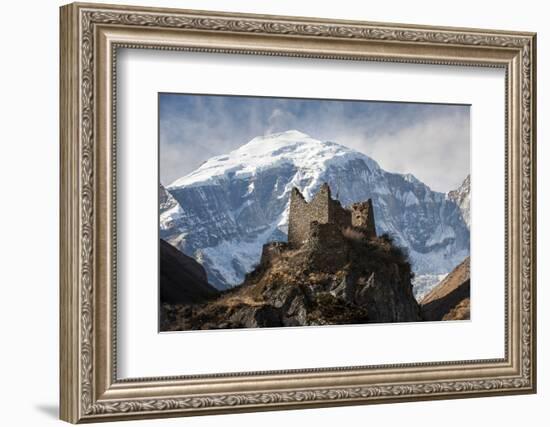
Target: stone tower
x,y
322,209
302,214
362,217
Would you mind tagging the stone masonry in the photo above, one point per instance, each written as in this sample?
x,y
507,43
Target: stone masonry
x,y
323,209
362,217
326,246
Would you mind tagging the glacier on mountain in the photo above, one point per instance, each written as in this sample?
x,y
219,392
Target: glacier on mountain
x,y
224,211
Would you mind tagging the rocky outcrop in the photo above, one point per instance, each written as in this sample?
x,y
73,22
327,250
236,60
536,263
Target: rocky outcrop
x,y
182,279
450,300
369,281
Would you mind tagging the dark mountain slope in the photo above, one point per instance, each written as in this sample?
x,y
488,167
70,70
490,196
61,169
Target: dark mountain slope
x,y
450,300
182,279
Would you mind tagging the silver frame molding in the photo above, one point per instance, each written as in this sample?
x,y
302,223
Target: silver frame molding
x,y
90,37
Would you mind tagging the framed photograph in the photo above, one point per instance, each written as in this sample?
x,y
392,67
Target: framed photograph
x,y
266,212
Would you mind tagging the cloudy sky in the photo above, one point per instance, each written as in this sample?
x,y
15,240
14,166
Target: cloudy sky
x,y
431,141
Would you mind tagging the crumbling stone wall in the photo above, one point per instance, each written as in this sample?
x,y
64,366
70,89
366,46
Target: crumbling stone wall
x,y
362,217
326,246
322,209
339,215
303,213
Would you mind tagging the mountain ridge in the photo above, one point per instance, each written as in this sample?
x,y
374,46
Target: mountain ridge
x,y
450,299
461,196
182,279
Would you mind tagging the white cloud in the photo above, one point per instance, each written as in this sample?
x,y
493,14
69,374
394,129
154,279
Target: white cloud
x,y
435,150
280,120
429,141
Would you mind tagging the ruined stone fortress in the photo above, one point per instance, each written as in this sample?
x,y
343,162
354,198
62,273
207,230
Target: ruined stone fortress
x,y
323,209
319,224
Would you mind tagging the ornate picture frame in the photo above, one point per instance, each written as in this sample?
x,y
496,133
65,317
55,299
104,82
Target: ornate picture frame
x,y
90,37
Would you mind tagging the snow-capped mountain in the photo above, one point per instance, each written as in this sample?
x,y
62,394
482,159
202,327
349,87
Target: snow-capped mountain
x,y
223,212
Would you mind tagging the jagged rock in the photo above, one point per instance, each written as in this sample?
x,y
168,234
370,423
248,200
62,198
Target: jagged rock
x,y
296,314
257,317
346,290
362,296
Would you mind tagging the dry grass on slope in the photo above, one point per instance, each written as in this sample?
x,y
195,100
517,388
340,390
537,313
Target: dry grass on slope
x,y
450,300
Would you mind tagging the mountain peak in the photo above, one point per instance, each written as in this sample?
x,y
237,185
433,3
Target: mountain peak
x,y
270,140
409,177
269,151
291,133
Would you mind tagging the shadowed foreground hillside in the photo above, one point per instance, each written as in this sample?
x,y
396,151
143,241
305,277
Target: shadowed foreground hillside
x,y
182,279
450,300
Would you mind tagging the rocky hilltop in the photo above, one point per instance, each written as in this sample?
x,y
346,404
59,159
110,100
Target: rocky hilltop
x,y
337,271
